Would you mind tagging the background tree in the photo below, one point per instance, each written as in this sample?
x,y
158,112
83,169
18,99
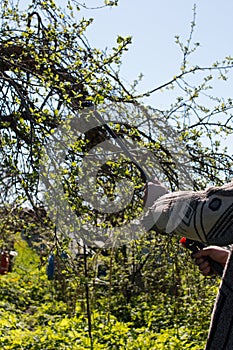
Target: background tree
x,y
48,70
49,75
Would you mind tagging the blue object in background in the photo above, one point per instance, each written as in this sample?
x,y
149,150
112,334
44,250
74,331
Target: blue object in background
x,y
50,267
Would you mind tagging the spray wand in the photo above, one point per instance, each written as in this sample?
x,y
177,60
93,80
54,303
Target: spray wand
x,y
194,246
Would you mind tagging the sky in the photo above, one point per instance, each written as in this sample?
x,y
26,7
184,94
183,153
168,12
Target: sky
x,y
153,25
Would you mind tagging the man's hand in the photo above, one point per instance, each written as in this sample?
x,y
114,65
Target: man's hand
x,y
215,253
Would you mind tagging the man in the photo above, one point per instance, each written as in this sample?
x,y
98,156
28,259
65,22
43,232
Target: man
x,y
220,335
204,216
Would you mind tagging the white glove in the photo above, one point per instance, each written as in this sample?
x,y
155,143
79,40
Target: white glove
x,y
153,191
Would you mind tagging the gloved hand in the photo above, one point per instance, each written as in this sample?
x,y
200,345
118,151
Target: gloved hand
x,y
153,191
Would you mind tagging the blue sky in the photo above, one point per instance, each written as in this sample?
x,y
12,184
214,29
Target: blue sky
x,y
153,25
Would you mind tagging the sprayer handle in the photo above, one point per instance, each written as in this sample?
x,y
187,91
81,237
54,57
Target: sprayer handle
x,y
195,246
